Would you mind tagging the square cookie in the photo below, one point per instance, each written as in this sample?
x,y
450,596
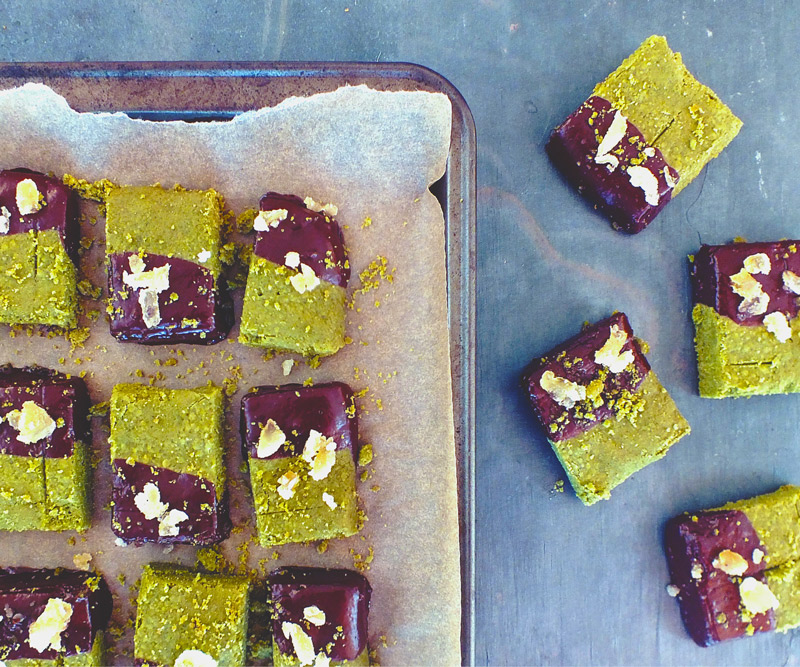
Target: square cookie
x,y
169,471
295,295
39,236
604,411
45,481
735,569
318,612
162,252
301,444
642,136
747,333
191,618
58,617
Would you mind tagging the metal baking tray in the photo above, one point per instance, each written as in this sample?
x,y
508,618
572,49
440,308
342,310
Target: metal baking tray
x,y
194,91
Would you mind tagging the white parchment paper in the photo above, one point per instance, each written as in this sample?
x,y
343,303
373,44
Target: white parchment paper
x,y
373,154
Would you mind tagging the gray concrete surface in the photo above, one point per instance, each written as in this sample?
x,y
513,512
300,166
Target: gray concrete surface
x,y
557,583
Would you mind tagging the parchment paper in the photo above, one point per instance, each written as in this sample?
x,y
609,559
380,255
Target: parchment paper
x,y
373,154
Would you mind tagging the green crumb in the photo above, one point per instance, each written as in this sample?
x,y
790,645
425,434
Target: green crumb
x,y
121,578
322,547
365,456
77,337
211,560
88,290
94,190
313,362
558,487
99,409
245,220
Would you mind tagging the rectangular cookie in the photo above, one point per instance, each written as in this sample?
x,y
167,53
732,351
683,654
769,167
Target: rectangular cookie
x,y
747,333
39,236
45,481
736,569
295,295
168,465
604,411
642,136
53,617
189,618
301,445
319,612
162,253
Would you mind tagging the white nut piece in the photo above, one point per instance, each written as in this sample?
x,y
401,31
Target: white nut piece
x,y
32,423
270,440
29,199
610,354
564,392
758,263
791,281
756,596
301,642
754,300
45,632
644,179
266,219
730,562
777,324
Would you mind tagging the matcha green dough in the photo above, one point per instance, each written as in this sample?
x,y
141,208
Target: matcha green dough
x,y
180,610
68,489
776,519
603,457
177,429
276,316
37,280
784,582
191,222
305,516
674,112
22,492
737,360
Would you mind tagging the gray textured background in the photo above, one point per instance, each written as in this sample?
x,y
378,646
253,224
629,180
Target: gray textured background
x,y
557,583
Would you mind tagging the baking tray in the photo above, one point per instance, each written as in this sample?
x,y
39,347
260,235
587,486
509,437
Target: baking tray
x,y
199,92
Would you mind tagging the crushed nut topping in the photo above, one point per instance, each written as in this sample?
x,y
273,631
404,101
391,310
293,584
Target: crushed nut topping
x,y
45,632
328,209
673,591
754,299
610,354
327,498
646,180
32,423
29,199
314,615
193,658
306,280
149,284
756,596
791,281
287,365
148,502
301,642
270,440
757,263
292,259
203,256
614,134
777,324
564,392
671,177
696,571
5,220
320,452
286,484
266,219
757,556
730,563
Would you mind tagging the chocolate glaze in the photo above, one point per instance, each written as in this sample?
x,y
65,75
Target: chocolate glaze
x,y
578,353
573,147
198,299
296,410
208,521
62,398
714,265
710,605
342,595
313,235
24,593
60,211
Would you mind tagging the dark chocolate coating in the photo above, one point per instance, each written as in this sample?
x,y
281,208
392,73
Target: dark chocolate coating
x,y
297,410
313,235
198,299
343,595
180,491
710,605
573,147
62,398
574,360
714,265
60,210
24,593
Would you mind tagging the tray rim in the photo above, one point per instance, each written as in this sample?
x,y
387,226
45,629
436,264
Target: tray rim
x,y
457,193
